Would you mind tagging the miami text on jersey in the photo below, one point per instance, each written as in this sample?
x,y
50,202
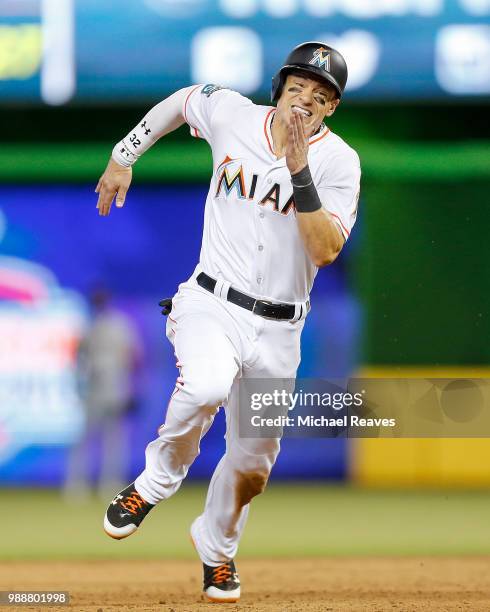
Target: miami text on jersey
x,y
230,176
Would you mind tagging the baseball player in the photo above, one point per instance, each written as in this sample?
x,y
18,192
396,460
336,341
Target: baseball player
x,y
281,204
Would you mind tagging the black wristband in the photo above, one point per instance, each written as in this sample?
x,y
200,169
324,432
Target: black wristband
x,y
304,192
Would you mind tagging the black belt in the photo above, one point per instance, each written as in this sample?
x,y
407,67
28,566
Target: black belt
x,y
265,309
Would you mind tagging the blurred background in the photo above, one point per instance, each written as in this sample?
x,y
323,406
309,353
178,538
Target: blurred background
x,y
85,368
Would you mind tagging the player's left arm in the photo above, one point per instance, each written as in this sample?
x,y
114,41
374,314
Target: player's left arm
x,y
322,237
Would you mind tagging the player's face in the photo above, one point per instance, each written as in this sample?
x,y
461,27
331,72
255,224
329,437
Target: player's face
x,y
313,99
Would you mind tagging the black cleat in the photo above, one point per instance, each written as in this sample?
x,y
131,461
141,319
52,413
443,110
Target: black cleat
x,y
221,584
125,513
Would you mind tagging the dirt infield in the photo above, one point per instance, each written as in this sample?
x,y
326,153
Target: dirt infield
x,y
367,584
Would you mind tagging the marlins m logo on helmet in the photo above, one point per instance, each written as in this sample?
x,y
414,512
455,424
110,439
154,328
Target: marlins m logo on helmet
x,y
321,58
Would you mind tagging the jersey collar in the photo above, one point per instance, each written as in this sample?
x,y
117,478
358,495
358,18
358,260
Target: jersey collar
x,y
324,131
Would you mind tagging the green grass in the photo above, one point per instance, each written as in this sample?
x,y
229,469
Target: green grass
x,y
295,520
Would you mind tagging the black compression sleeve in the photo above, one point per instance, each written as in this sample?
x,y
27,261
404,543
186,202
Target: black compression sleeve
x,y
304,192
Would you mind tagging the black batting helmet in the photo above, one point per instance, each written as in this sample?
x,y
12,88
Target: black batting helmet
x,y
319,60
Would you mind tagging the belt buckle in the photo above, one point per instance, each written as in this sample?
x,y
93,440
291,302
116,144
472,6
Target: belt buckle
x,y
267,303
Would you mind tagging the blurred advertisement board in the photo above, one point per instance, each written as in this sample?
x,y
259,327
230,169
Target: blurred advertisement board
x,y
40,327
134,51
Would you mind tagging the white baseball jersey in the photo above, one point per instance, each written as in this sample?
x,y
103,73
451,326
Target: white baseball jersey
x,y
251,237
251,240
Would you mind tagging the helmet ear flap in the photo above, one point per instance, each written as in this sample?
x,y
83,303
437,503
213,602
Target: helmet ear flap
x,y
277,83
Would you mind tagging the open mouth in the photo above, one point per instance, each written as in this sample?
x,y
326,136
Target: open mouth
x,y
302,111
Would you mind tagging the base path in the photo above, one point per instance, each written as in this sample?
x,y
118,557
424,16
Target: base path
x,y
323,584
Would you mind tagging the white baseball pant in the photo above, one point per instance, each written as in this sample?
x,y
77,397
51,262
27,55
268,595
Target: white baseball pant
x,y
216,343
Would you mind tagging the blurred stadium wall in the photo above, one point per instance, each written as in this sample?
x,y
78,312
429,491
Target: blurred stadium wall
x,y
411,289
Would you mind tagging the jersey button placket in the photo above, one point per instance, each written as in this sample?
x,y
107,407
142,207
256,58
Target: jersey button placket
x,y
260,253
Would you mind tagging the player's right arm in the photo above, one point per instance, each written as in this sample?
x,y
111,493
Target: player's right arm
x,y
163,118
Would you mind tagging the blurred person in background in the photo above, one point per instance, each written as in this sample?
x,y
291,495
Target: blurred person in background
x,y
109,355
